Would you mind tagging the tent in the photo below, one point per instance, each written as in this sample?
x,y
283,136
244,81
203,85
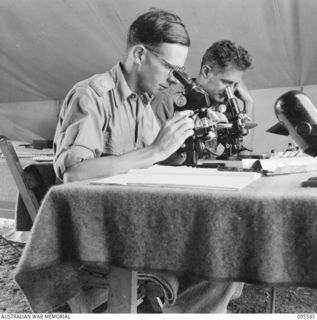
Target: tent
x,y
47,46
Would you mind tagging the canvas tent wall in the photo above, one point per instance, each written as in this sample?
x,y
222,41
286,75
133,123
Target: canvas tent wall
x,y
47,46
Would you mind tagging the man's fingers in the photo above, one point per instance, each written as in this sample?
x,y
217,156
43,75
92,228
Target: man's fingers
x,y
181,114
184,127
180,120
247,117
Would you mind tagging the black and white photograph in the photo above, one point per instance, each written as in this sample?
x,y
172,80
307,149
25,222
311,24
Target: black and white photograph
x,y
158,157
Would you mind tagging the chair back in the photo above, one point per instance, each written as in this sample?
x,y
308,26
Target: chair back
x,y
32,182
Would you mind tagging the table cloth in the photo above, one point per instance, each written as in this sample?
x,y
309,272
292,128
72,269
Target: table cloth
x,y
265,233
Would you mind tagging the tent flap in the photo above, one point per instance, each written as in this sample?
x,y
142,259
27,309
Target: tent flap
x,y
47,46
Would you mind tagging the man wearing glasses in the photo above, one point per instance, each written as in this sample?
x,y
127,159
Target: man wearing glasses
x,y
106,125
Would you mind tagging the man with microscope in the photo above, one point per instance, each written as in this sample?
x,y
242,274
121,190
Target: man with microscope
x,y
222,68
106,127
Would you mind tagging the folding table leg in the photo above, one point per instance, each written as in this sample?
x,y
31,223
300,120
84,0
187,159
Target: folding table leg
x,y
273,298
122,291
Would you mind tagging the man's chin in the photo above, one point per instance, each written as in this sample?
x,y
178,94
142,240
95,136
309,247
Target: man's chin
x,y
218,100
155,91
150,91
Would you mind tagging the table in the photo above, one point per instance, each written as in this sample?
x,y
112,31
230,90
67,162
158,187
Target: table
x,y
266,233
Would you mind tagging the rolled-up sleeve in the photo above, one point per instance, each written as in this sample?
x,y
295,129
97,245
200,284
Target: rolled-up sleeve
x,y
79,133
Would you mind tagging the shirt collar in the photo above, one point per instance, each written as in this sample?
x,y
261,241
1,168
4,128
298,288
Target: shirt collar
x,y
122,87
146,98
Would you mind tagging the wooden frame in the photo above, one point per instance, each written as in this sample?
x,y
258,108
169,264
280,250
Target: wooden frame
x,y
19,176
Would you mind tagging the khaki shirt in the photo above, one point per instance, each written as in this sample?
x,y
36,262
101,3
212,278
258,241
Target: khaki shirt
x,y
163,103
102,116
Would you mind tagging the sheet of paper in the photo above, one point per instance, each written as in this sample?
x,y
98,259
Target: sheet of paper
x,y
283,165
183,177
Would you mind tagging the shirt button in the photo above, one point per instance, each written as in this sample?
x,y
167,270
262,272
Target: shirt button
x,y
103,83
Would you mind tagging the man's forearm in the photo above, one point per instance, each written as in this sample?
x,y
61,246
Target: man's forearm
x,y
171,136
112,165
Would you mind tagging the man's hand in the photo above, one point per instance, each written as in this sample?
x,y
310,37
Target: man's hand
x,y
174,133
243,94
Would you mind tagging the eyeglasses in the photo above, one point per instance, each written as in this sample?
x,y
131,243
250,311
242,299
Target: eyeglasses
x,y
165,63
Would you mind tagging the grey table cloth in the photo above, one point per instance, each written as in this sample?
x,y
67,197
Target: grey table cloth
x,y
265,233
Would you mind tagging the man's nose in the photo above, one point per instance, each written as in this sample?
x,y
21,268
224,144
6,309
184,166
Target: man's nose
x,y
171,79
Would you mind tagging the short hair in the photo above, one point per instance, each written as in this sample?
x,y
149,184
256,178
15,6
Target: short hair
x,y
156,27
224,53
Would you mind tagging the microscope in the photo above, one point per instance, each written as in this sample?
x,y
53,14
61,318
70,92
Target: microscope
x,y
210,132
297,117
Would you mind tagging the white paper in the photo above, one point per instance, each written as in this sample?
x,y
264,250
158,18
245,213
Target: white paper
x,y
284,165
183,177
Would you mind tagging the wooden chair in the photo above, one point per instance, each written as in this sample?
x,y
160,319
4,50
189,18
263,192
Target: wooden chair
x,y
125,292
20,177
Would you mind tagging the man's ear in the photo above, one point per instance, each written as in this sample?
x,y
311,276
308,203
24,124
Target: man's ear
x,y
205,71
138,53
